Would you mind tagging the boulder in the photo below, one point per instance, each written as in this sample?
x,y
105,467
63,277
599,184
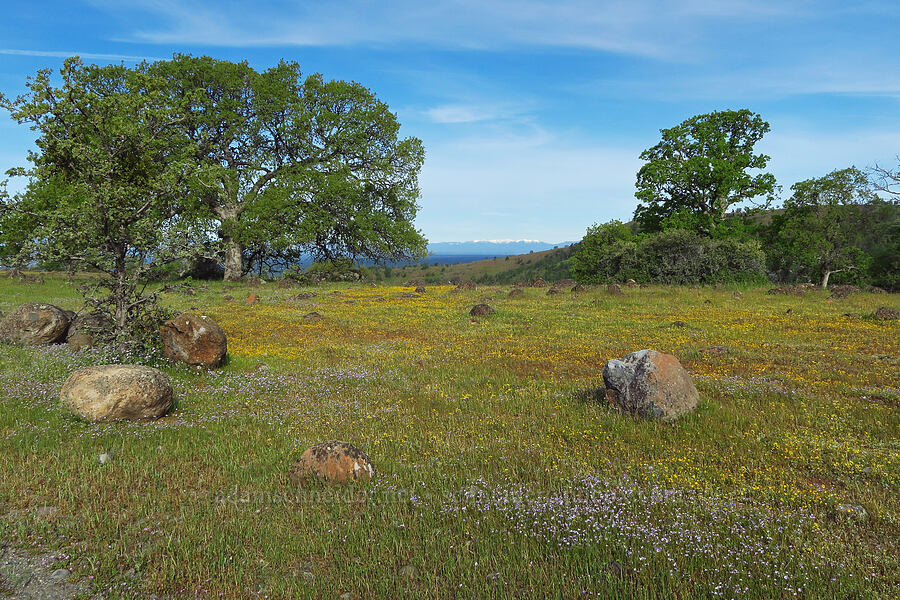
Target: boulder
x,y
516,292
578,288
553,291
335,462
650,384
480,310
313,316
420,289
34,324
194,339
565,283
87,331
631,283
839,292
886,314
788,290
117,392
466,286
539,282
615,289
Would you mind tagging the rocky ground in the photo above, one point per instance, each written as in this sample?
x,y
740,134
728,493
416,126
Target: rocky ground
x,y
25,576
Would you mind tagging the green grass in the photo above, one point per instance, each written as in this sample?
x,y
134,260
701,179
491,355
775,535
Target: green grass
x,y
499,473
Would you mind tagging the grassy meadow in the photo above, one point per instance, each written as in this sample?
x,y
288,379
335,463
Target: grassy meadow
x,y
500,473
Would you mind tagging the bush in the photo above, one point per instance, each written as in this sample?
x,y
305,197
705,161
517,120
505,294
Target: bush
x,y
675,256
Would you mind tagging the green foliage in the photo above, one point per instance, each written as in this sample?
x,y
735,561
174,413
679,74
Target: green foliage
x,y
699,169
551,266
599,254
822,226
676,256
111,175
292,165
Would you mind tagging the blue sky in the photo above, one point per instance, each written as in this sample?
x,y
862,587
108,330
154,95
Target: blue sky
x,y
533,113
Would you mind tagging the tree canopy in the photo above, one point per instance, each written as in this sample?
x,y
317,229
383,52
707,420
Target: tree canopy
x,y
822,224
291,164
111,173
700,168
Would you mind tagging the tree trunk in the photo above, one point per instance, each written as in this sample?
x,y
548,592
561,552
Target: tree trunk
x,y
825,279
234,259
121,299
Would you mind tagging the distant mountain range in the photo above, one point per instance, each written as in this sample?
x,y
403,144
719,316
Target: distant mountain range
x,y
491,247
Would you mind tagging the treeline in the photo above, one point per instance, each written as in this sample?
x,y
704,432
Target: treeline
x,y
843,227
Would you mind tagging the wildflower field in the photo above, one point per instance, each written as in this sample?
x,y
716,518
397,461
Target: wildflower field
x,y
501,473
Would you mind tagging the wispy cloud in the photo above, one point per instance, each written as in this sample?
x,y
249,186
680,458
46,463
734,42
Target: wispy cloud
x,y
473,113
64,54
652,28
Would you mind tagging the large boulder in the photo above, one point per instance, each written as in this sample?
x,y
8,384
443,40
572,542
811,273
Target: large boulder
x,y
195,340
87,331
650,384
481,310
118,392
335,462
34,324
885,314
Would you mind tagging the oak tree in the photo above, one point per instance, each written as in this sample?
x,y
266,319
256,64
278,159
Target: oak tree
x,y
702,167
291,164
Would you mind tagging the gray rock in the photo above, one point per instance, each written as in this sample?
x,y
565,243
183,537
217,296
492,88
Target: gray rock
x,y
60,574
104,458
87,331
409,572
650,384
34,324
853,512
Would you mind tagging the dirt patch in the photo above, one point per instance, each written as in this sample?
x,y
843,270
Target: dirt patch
x,y
25,576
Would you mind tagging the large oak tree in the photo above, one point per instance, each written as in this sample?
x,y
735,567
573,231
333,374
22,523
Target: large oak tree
x,y
291,164
702,167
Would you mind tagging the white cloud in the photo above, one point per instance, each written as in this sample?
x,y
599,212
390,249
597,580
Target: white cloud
x,y
63,54
653,28
473,113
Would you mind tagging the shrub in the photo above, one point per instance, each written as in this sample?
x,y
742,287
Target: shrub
x,y
675,256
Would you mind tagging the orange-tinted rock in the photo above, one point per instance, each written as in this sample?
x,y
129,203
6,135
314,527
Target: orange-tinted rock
x,y
650,384
335,462
195,340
